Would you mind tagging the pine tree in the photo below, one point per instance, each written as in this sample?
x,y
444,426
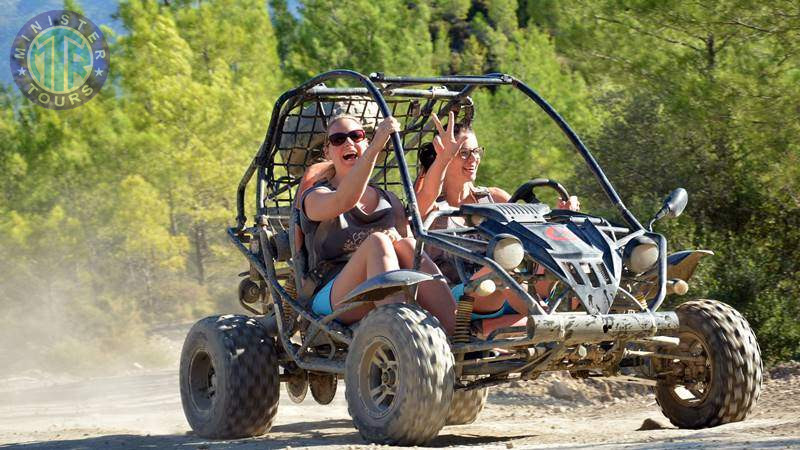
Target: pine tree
x,y
390,36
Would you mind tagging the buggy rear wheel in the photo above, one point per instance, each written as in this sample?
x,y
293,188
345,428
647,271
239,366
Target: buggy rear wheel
x,y
466,406
723,384
229,378
399,376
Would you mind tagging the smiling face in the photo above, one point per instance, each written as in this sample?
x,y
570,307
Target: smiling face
x,y
345,155
464,170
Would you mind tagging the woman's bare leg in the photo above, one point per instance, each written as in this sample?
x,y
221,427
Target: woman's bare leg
x,y
374,256
434,295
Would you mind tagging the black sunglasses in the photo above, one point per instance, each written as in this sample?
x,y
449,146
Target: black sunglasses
x,y
340,138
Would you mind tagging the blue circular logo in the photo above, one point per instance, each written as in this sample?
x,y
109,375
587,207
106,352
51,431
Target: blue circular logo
x,y
60,59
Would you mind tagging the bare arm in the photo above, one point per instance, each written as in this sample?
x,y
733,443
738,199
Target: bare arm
x,y
499,195
321,205
431,186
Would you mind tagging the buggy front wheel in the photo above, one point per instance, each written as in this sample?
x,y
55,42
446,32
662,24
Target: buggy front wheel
x,y
399,376
723,382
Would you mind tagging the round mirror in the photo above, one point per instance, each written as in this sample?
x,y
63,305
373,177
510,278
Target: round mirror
x,y
676,202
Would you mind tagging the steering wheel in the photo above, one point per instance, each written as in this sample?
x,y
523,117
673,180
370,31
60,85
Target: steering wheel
x,y
525,192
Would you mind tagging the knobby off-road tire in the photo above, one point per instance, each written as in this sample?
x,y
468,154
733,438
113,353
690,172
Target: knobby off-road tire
x,y
399,376
734,360
229,378
466,406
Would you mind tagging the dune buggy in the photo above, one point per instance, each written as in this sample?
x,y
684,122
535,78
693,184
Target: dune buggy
x,y
404,378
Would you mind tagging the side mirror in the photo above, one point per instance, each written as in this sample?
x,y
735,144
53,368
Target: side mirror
x,y
673,206
676,202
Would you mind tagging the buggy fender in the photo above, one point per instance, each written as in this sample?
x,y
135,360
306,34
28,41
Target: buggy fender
x,y
680,268
387,283
681,265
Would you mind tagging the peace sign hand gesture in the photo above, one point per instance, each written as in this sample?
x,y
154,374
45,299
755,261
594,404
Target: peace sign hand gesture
x,y
445,143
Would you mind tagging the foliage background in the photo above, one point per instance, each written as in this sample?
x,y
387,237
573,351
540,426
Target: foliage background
x,y
112,215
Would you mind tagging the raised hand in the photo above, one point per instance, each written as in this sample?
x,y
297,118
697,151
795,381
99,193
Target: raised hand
x,y
387,126
445,143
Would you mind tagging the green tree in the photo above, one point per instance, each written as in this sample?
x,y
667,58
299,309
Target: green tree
x,y
700,97
390,36
536,145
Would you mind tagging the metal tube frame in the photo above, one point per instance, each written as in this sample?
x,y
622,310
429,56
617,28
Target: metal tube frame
x,y
394,85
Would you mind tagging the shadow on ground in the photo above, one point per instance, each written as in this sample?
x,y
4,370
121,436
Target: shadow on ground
x,y
304,434
694,442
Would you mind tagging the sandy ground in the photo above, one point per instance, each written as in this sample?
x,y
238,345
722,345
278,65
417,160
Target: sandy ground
x,y
142,409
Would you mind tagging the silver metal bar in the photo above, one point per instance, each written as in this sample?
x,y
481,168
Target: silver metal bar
x,y
581,329
488,345
572,328
474,362
494,368
505,330
533,368
395,92
622,241
460,239
433,215
661,340
664,355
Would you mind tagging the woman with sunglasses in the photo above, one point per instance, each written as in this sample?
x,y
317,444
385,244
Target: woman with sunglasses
x,y
447,179
354,230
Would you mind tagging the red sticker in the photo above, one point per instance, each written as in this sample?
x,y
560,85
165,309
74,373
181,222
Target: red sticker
x,y
560,234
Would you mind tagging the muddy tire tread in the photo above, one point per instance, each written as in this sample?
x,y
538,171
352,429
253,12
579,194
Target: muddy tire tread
x,y
737,367
245,356
426,369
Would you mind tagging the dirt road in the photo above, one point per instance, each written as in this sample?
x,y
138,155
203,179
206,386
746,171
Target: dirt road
x,y
143,410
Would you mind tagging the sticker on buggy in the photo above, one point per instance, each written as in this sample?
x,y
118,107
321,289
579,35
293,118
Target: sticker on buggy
x,y
560,233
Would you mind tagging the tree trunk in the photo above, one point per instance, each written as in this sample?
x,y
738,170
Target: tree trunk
x,y
200,246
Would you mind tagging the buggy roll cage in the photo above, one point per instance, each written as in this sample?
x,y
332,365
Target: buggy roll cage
x,y
398,85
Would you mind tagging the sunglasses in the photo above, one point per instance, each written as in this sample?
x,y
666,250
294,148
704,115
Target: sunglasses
x,y
477,152
340,138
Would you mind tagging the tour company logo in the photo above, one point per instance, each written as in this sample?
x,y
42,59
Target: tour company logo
x,y
60,59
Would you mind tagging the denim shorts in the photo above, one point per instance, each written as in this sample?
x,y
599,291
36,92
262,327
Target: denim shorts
x,y
458,291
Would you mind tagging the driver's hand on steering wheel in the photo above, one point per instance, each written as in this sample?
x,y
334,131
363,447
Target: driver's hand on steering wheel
x,y
573,204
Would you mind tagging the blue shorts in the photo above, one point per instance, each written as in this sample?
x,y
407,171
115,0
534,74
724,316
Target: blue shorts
x,y
322,300
458,291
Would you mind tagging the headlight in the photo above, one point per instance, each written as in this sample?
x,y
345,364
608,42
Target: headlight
x,y
506,250
640,254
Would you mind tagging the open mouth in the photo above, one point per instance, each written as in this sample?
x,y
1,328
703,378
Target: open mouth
x,y
350,156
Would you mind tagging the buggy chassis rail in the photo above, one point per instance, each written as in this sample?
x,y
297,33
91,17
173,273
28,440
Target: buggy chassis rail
x,y
568,329
375,86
